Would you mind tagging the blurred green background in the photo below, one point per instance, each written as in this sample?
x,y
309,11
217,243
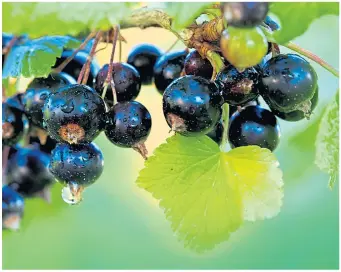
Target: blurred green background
x,y
119,226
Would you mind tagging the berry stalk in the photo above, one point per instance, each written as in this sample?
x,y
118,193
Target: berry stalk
x,y
90,57
225,118
69,59
109,80
7,48
310,55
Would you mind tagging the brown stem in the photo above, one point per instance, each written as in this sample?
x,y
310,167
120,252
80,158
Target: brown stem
x,y
69,59
9,46
172,46
210,31
142,150
90,57
109,80
120,50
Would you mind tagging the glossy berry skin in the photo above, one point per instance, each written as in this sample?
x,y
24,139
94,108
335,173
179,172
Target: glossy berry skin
x,y
143,57
74,114
81,164
289,81
75,66
12,204
197,66
254,126
238,87
168,68
216,134
127,82
13,125
271,23
129,123
245,14
27,171
38,91
192,105
47,147
243,48
297,115
233,109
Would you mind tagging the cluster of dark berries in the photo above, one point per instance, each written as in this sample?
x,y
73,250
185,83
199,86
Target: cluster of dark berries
x,y
58,119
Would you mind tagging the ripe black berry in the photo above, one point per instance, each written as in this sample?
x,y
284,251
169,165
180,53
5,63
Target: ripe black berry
x,y
75,66
216,134
254,126
12,208
289,83
13,125
82,164
38,91
245,14
27,171
47,147
129,123
167,68
74,114
197,66
76,166
233,109
297,115
238,87
143,57
191,105
126,79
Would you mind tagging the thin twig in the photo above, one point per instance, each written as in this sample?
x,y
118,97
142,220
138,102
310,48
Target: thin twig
x,y
120,50
108,79
10,44
84,75
74,53
313,57
172,46
225,117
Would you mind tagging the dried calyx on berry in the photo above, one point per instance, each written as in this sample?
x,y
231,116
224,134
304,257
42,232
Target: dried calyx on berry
x,y
192,105
74,114
12,208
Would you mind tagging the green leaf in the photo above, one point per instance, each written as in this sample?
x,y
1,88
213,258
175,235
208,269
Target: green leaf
x,y
184,14
327,141
36,57
295,18
61,18
206,193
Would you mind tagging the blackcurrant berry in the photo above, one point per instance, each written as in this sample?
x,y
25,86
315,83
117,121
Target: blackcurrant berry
x,y
197,66
243,47
82,164
75,66
12,208
192,105
233,109
167,68
76,166
297,115
289,83
74,114
129,123
15,101
216,134
13,125
245,14
27,171
126,79
254,126
47,147
238,87
143,57
38,91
